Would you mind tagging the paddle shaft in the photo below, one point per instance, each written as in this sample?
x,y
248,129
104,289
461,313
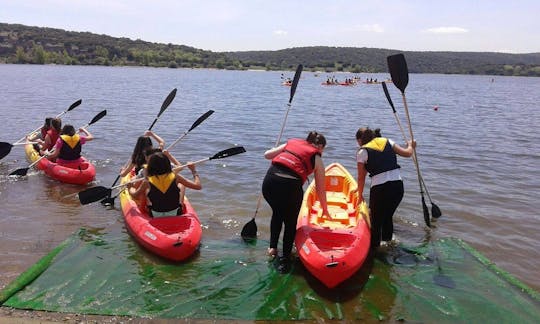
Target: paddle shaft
x,y
414,156
293,90
75,104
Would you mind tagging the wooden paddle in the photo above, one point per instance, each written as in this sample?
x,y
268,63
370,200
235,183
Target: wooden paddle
x,y
109,201
400,77
97,193
5,148
435,210
164,106
23,171
249,231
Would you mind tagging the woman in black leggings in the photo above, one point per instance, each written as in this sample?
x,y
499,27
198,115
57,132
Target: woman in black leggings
x,y
377,156
282,188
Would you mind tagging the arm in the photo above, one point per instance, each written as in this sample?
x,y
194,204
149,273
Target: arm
x,y
361,179
87,134
405,152
195,184
320,184
171,157
126,169
137,191
55,150
273,152
159,140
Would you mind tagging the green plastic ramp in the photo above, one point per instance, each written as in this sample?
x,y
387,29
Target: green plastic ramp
x,y
109,274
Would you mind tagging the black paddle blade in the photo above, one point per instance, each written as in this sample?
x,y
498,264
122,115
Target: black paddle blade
x,y
228,152
74,105
249,231
387,94
295,81
5,148
20,172
98,117
201,119
426,212
397,66
435,211
167,101
93,194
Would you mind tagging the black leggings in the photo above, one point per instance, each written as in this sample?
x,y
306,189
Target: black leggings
x,y
284,195
384,199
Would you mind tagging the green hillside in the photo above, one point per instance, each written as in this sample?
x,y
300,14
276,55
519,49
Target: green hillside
x,y
40,45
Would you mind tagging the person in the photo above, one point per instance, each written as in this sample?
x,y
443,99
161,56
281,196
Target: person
x,y
67,149
138,158
51,136
292,162
377,156
162,186
42,131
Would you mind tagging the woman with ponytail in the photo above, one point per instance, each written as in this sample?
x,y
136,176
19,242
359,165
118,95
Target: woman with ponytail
x,y
292,162
378,157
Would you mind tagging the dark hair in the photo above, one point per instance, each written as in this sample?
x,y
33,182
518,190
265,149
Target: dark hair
x,y
47,122
143,143
151,150
316,138
68,130
158,163
365,134
56,123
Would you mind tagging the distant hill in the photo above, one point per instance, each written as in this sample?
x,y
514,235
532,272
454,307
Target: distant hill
x,y
374,60
40,45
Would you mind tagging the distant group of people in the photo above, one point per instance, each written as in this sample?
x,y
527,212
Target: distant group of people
x,y
295,160
60,144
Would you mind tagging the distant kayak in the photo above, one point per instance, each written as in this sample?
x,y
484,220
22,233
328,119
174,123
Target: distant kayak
x,y
334,248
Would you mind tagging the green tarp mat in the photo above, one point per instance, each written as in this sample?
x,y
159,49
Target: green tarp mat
x,y
95,272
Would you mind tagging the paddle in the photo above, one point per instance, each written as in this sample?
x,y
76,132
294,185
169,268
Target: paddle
x,y
5,147
400,77
109,201
97,193
164,106
24,171
249,231
435,210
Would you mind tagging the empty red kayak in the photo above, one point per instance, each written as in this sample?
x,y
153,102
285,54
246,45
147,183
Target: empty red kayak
x,y
174,237
334,248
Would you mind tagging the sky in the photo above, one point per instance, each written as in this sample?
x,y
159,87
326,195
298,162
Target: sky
x,y
242,25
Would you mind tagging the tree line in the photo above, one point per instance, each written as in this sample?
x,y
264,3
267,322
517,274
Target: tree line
x,y
20,44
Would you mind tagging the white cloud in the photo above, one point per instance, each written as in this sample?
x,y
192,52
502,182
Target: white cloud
x,y
447,30
373,28
280,32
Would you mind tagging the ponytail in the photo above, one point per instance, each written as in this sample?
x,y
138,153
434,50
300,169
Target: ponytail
x,y
316,138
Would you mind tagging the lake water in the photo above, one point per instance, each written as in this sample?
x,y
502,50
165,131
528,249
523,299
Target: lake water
x,y
479,152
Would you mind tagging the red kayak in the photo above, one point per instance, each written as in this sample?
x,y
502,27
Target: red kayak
x,y
334,248
174,237
80,173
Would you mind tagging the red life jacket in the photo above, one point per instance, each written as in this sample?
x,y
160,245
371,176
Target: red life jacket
x,y
53,134
296,156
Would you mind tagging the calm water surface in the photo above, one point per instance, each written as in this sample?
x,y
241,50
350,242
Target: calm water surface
x,y
479,153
